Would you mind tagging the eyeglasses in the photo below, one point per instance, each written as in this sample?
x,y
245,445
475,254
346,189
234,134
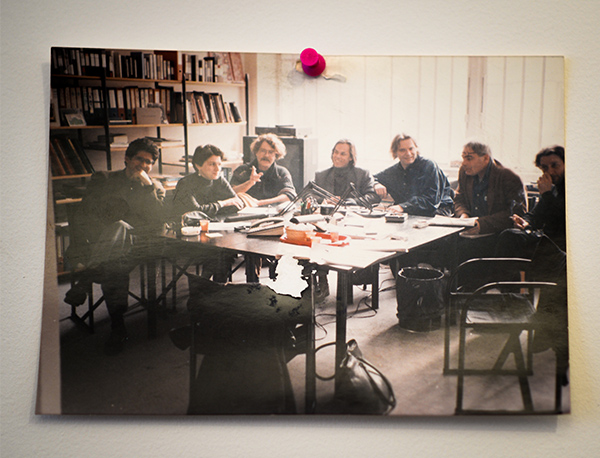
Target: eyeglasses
x,y
143,160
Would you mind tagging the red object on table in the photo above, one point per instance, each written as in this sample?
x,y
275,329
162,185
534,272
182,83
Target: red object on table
x,y
328,240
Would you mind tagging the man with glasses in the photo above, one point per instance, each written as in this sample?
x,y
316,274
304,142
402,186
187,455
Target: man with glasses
x,y
119,217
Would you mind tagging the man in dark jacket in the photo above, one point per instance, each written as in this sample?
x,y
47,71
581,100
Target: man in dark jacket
x,y
549,213
487,191
490,193
264,180
417,185
121,213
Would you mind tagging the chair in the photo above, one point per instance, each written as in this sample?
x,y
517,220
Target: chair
x,y
487,296
77,256
364,278
242,332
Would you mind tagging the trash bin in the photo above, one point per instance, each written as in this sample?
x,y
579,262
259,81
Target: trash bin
x,y
420,297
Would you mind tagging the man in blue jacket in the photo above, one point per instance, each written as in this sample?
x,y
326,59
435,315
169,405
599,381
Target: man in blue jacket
x,y
417,185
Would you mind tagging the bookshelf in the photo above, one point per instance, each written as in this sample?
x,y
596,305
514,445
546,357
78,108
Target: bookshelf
x,y
193,97
181,99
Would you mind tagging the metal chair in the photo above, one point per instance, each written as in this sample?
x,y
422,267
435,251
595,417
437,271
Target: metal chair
x,y
506,306
77,256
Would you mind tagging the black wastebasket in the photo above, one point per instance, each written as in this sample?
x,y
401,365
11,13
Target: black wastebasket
x,y
420,297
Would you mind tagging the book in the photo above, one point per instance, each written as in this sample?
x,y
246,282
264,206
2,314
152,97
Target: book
x,y
224,64
64,160
56,166
237,68
114,139
235,112
209,69
67,157
54,113
73,156
87,164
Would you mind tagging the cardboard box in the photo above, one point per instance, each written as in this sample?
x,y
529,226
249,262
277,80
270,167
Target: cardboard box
x,y
148,115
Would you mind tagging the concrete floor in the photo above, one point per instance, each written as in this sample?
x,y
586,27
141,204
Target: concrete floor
x,y
152,376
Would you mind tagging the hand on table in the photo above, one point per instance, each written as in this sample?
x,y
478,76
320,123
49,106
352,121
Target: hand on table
x,y
395,209
248,200
474,230
233,201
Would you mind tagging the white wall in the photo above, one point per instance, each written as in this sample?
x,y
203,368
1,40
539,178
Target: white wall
x,y
334,27
515,104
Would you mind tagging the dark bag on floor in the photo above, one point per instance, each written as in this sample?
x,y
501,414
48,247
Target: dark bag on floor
x,y
363,388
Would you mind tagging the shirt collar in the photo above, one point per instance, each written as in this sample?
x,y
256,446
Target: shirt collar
x,y
486,175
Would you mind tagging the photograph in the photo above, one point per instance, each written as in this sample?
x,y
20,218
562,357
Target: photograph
x,y
327,235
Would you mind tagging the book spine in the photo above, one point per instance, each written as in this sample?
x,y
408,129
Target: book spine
x,y
72,156
235,112
83,157
63,158
55,164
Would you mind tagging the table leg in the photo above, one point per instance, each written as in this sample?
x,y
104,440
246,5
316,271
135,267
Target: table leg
x,y
152,315
340,323
251,264
375,286
310,392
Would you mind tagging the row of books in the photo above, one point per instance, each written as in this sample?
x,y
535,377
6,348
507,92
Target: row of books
x,y
159,65
122,103
213,67
209,107
153,65
67,157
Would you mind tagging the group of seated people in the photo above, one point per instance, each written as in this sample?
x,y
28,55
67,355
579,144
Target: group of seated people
x,y
122,211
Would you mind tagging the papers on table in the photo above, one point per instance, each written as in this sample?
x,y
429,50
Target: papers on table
x,y
258,211
397,246
221,226
440,220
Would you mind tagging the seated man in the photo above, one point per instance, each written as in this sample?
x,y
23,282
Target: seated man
x,y
121,213
264,183
207,191
263,179
489,192
549,213
344,171
528,239
417,185
336,180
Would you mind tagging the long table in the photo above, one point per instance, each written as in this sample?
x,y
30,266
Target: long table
x,y
372,241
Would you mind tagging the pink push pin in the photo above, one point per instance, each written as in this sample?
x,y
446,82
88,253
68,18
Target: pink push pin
x,y
313,63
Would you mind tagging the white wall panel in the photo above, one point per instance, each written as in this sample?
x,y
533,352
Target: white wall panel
x,y
378,109
352,107
458,109
515,104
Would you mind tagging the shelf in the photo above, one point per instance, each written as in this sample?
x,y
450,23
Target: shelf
x,y
239,84
70,177
113,78
208,124
141,126
68,200
126,126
